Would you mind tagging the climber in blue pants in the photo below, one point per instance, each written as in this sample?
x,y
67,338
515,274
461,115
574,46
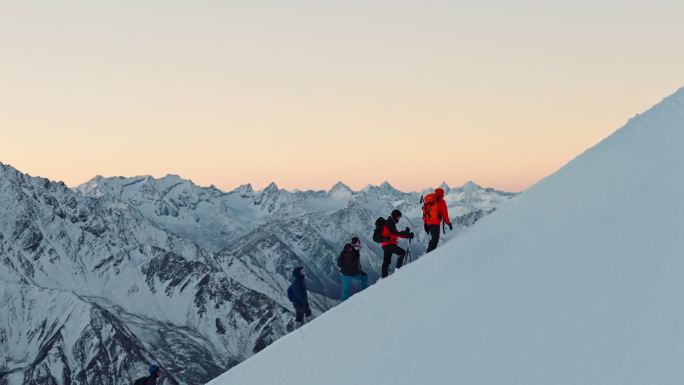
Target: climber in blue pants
x,y
349,263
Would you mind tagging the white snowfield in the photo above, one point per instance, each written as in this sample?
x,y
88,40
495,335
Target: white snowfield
x,y
579,280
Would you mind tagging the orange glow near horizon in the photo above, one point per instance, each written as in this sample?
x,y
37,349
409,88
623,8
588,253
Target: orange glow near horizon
x,y
312,93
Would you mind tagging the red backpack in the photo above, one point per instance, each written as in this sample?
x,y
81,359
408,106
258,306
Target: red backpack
x,y
430,209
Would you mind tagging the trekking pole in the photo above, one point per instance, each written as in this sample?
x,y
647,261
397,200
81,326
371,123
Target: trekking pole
x,y
443,228
408,252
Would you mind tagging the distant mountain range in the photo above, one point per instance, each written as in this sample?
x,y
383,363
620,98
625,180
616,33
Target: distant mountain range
x,y
98,280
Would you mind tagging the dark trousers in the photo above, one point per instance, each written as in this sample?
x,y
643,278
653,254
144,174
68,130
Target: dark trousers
x,y
299,315
387,257
301,312
434,240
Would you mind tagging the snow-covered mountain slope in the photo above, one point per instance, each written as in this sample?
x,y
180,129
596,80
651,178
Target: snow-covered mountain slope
x,y
121,269
102,279
206,215
579,280
53,337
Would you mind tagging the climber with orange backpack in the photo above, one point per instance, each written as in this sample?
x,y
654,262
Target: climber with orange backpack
x,y
435,213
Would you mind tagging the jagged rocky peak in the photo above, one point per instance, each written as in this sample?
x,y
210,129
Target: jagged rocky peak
x,y
174,179
385,188
243,189
7,169
444,186
16,177
146,186
340,190
271,188
269,194
97,186
471,186
164,183
9,173
340,186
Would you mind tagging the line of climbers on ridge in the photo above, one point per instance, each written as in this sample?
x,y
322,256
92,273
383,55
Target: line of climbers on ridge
x,y
435,214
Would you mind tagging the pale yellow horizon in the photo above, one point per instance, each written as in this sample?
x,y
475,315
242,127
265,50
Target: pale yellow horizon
x,y
306,94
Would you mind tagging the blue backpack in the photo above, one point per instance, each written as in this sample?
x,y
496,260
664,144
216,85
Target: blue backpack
x,y
290,294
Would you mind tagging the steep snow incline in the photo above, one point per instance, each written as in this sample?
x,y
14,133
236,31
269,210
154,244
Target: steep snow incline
x,y
577,281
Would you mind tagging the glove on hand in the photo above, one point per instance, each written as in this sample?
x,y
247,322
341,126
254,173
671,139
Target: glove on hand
x,y
427,228
451,227
307,312
411,235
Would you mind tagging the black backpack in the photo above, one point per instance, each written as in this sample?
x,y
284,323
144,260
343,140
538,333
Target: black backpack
x,y
340,259
140,381
377,233
290,296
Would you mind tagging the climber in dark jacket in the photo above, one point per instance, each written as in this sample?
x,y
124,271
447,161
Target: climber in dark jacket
x,y
298,296
152,379
349,263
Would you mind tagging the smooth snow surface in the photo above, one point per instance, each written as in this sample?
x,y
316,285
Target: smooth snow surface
x,y
579,280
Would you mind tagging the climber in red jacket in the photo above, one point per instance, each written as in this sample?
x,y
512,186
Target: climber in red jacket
x,y
435,212
389,246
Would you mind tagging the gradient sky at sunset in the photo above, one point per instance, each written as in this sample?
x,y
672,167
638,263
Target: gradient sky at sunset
x,y
306,93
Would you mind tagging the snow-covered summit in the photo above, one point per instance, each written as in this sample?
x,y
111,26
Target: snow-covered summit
x,y
470,186
576,281
340,191
385,189
271,188
243,189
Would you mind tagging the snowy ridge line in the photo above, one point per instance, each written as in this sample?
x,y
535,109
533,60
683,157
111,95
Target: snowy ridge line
x,y
272,186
